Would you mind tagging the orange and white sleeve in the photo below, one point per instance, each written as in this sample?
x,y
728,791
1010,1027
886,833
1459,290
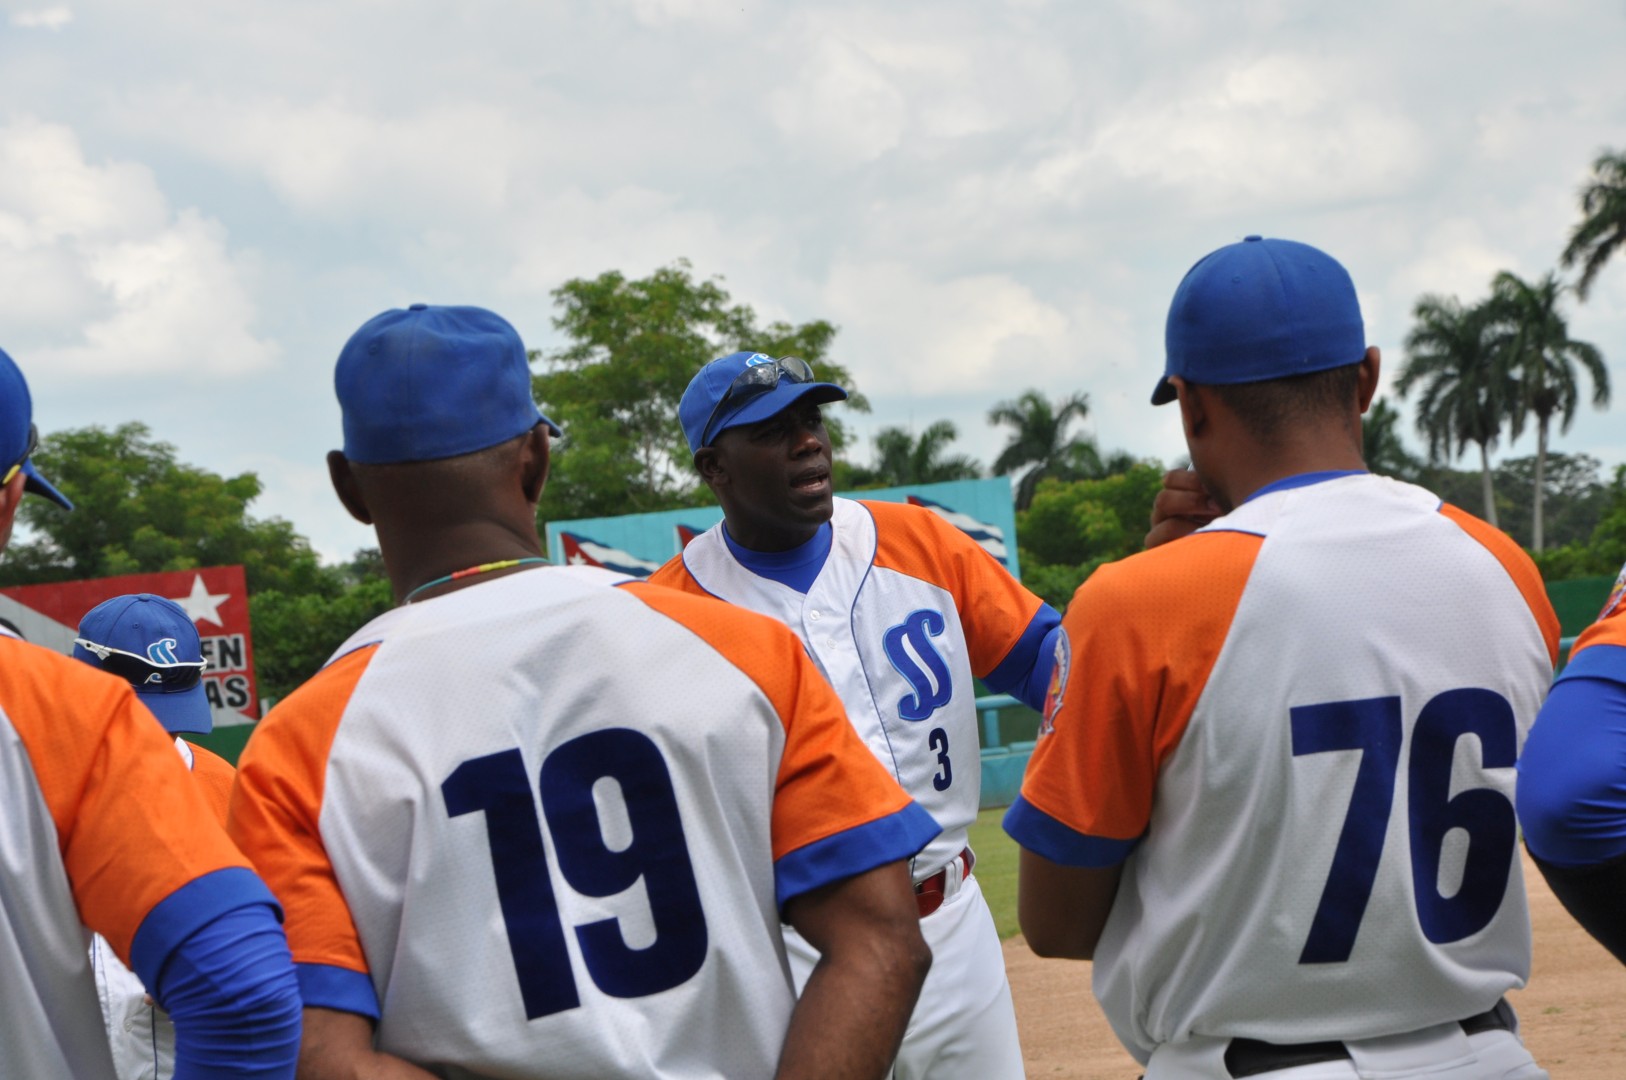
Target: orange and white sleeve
x,y
836,811
275,816
146,861
1136,648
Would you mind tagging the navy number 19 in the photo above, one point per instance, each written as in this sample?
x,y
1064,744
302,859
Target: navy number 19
x,y
497,786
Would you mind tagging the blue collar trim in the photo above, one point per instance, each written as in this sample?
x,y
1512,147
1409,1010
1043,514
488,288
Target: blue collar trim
x,y
1304,480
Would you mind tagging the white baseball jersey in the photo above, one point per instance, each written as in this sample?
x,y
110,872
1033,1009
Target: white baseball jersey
x,y
99,821
1300,727
545,825
905,611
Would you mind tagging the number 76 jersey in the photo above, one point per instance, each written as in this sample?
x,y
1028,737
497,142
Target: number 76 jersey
x,y
545,825
1297,731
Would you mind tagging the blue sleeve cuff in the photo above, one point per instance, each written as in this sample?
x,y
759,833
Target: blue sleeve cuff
x,y
1596,662
1025,671
324,986
899,835
197,903
1044,835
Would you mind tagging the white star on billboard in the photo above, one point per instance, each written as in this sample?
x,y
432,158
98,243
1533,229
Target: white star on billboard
x,y
202,605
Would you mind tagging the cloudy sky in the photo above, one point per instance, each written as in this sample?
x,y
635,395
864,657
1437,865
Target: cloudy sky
x,y
199,202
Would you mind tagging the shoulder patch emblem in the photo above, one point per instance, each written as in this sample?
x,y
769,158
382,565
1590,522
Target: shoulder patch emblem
x,y
1058,683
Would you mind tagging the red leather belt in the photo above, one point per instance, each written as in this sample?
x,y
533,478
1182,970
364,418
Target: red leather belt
x,y
930,894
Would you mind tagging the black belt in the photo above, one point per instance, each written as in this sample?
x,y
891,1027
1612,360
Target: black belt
x,y
1251,1057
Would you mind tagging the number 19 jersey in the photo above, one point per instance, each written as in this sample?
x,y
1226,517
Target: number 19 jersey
x,y
1297,730
545,825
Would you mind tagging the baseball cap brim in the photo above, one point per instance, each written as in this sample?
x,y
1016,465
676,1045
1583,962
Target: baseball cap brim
x,y
1163,392
185,712
41,486
762,406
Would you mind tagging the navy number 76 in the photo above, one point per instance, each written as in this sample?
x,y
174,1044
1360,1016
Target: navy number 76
x,y
1373,726
497,786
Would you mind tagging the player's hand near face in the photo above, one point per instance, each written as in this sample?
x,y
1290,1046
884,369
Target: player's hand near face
x,y
872,962
1181,508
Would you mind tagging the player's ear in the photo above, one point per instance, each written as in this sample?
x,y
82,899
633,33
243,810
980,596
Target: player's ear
x,y
710,465
535,456
11,500
1371,366
1193,409
346,487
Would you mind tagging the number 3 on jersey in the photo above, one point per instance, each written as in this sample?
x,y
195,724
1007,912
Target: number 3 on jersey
x,y
656,852
1373,726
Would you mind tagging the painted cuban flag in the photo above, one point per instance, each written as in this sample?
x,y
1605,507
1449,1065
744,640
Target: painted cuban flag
x,y
581,551
685,533
991,537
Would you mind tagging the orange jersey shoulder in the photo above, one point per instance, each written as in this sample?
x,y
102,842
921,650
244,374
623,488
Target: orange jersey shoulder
x,y
276,807
132,825
1142,635
215,775
828,780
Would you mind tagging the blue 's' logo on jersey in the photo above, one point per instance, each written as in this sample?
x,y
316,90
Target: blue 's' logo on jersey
x,y
920,663
162,651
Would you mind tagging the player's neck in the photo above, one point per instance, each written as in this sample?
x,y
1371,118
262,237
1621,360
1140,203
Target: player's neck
x,y
1262,466
413,559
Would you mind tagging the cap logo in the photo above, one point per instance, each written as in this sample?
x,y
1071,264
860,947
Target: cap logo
x,y
162,651
758,359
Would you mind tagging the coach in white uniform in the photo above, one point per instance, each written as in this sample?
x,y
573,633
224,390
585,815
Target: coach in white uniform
x,y
901,611
1273,797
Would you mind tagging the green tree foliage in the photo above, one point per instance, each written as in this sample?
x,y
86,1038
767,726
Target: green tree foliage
x,y
1534,346
634,344
902,459
1040,442
1604,549
139,510
1381,446
1465,391
1602,229
295,632
1072,527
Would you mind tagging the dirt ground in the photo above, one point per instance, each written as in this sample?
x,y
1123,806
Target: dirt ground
x,y
1573,1013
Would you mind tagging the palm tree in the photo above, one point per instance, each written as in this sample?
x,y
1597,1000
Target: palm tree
x,y
1450,353
1041,441
901,459
1539,353
1602,230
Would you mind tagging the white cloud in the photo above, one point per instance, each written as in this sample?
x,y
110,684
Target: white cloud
x,y
840,105
98,276
51,18
661,13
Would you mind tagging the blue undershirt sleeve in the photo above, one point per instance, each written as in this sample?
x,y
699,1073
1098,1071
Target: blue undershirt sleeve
x,y
1025,672
1572,774
230,989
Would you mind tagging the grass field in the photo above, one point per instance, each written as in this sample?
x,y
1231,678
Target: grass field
x,y
996,869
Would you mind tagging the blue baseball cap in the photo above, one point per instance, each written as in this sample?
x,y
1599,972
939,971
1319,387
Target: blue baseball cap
x,y
432,382
708,409
152,643
1260,309
17,431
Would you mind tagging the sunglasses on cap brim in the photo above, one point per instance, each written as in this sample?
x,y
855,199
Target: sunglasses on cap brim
x,y
33,444
755,380
143,673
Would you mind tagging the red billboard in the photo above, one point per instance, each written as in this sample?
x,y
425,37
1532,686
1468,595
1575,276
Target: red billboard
x,y
216,598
